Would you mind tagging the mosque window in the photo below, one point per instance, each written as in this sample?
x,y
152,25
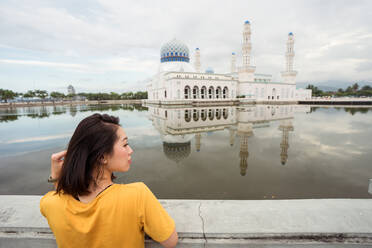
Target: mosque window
x,y
187,115
203,114
195,115
176,53
211,114
218,114
165,94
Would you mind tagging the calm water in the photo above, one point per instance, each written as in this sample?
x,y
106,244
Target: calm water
x,y
252,152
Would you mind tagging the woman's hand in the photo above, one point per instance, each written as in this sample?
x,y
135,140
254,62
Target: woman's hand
x,y
56,163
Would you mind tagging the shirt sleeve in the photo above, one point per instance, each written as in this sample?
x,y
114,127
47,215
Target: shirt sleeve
x,y
155,220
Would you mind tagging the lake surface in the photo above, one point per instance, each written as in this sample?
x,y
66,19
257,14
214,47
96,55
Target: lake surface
x,y
224,152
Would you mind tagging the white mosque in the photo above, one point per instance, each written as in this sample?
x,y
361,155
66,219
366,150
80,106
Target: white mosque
x,y
178,82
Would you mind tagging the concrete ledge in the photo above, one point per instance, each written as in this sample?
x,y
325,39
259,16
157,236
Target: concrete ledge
x,y
280,223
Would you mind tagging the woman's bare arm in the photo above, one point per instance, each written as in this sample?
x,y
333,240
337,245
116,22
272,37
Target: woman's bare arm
x,y
171,241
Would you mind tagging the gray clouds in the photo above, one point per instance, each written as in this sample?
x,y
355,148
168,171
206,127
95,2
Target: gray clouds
x,y
113,41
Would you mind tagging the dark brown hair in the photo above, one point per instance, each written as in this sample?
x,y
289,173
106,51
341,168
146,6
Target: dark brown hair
x,y
93,138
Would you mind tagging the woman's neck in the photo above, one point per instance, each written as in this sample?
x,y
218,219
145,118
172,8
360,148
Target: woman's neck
x,y
95,188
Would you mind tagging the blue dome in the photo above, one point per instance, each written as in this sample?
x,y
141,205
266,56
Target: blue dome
x,y
290,33
174,50
197,48
232,53
209,70
246,22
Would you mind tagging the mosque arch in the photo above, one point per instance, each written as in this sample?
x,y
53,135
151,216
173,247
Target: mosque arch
x,y
203,114
218,114
195,115
225,92
273,95
225,113
272,111
187,92
211,92
218,92
195,92
187,115
203,92
211,114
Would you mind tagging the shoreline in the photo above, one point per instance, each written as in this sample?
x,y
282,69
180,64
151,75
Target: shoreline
x,y
56,103
366,103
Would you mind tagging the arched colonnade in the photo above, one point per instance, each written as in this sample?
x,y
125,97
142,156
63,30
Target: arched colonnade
x,y
206,93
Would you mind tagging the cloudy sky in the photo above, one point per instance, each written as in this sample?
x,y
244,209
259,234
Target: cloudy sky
x,y
113,45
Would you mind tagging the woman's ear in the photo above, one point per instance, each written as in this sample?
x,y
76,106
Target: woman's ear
x,y
103,159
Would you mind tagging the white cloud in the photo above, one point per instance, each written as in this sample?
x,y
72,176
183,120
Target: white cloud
x,y
41,63
333,38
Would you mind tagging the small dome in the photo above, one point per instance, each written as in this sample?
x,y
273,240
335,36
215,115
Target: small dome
x,y
177,151
290,33
247,22
197,48
209,70
174,50
232,53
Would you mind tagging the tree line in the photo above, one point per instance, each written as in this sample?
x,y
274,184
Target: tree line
x,y
6,95
353,90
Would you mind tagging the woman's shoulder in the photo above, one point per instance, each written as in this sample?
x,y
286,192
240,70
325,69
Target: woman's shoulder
x,y
50,200
137,186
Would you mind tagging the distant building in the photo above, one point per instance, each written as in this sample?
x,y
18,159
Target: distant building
x,y
71,90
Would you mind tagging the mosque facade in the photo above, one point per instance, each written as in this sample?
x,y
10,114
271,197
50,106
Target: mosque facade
x,y
180,82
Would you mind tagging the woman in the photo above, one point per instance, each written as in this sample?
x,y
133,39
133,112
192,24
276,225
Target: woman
x,y
88,209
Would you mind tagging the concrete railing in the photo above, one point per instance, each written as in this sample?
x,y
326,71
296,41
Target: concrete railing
x,y
220,223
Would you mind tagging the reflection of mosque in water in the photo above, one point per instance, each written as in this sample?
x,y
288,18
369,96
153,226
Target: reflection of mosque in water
x,y
178,126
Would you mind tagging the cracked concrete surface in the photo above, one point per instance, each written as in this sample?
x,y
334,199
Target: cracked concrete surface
x,y
201,217
219,223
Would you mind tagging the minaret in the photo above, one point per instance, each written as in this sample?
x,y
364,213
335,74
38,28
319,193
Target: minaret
x,y
289,75
197,60
285,126
233,63
232,137
247,45
244,132
198,141
246,72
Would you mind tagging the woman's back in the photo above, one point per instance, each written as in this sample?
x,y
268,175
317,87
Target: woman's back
x,y
118,217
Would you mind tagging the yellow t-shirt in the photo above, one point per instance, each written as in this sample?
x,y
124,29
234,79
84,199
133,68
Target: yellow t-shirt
x,y
118,217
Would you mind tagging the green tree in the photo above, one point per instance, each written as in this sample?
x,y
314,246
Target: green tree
x,y
315,90
7,95
29,93
41,93
57,95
